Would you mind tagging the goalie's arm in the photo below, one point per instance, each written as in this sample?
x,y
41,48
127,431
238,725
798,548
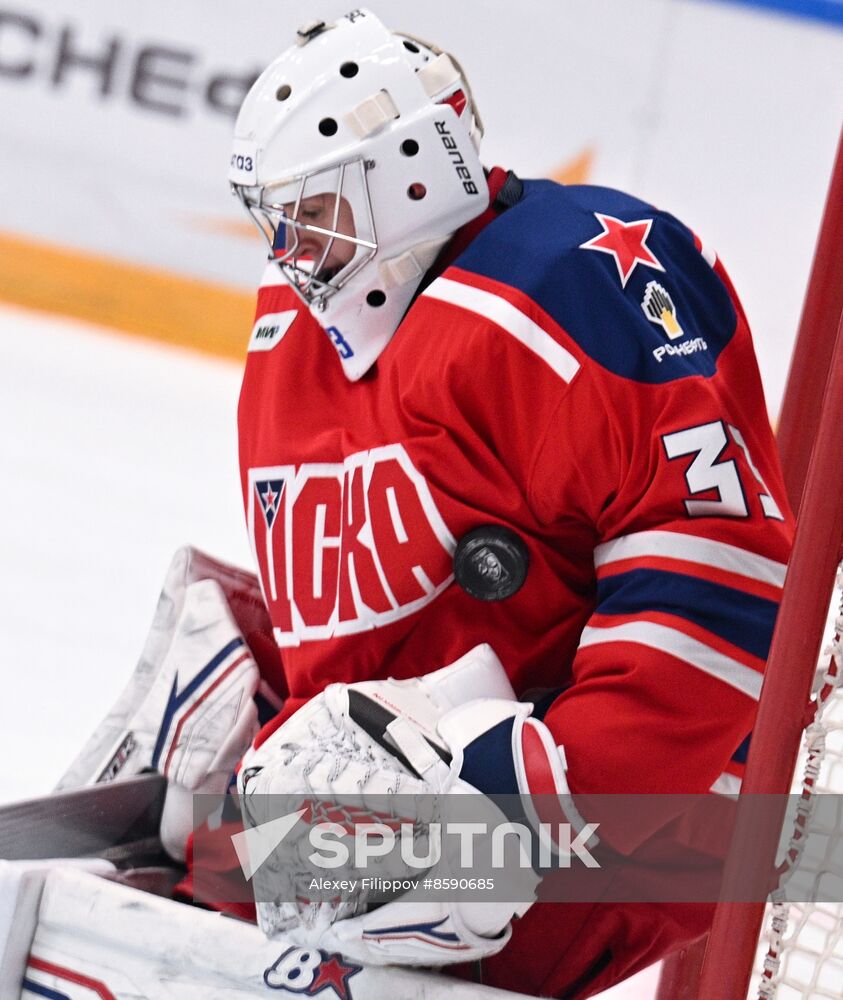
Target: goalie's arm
x,y
669,668
679,483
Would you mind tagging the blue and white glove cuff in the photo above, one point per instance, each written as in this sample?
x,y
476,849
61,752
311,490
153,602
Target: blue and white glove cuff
x,y
499,749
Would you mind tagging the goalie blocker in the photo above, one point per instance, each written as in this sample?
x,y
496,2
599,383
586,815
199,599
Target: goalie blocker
x,y
191,707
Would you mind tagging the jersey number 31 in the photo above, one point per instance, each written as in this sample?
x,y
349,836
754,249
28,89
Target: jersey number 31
x,y
707,442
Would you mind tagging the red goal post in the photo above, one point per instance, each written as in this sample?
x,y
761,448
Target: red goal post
x,y
809,439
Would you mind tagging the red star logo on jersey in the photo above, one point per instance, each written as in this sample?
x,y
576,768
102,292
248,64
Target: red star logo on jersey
x,y
269,493
626,242
269,497
335,972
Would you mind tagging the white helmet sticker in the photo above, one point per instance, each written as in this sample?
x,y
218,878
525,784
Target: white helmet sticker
x,y
243,168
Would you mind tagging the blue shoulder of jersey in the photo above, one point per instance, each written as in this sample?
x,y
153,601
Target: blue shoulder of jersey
x,y
623,279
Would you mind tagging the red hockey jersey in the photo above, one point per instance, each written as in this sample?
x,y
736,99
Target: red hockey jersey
x,y
581,374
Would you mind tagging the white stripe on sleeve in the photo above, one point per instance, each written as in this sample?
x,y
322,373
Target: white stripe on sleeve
x,y
505,315
683,647
691,548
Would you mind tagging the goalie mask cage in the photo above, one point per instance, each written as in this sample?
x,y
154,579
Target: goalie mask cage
x,y
800,953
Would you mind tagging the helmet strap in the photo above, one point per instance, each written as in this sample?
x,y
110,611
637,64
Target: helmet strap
x,y
411,265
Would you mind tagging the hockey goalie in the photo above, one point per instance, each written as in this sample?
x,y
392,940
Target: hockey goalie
x,y
517,520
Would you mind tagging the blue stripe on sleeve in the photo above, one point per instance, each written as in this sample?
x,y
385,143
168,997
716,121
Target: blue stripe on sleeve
x,y
740,755
742,619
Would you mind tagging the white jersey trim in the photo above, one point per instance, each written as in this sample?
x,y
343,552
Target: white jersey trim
x,y
683,647
691,548
505,315
708,254
727,784
272,275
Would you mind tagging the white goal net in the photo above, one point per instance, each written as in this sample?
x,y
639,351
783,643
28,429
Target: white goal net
x,y
800,955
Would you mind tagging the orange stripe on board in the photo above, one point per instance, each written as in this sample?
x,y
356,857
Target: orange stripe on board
x,y
576,171
129,297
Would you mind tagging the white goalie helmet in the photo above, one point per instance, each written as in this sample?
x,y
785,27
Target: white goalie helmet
x,y
356,153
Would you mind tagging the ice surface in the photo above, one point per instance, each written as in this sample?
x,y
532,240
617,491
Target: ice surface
x,y
114,452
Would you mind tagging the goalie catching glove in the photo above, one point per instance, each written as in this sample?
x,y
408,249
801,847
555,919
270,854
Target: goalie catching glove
x,y
419,738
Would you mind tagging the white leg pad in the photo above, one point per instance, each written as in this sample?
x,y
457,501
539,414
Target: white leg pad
x,y
94,937
21,885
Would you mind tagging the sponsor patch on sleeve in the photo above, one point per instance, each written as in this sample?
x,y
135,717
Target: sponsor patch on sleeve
x,y
270,328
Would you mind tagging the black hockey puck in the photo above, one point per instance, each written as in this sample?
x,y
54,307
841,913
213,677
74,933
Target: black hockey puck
x,y
491,562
